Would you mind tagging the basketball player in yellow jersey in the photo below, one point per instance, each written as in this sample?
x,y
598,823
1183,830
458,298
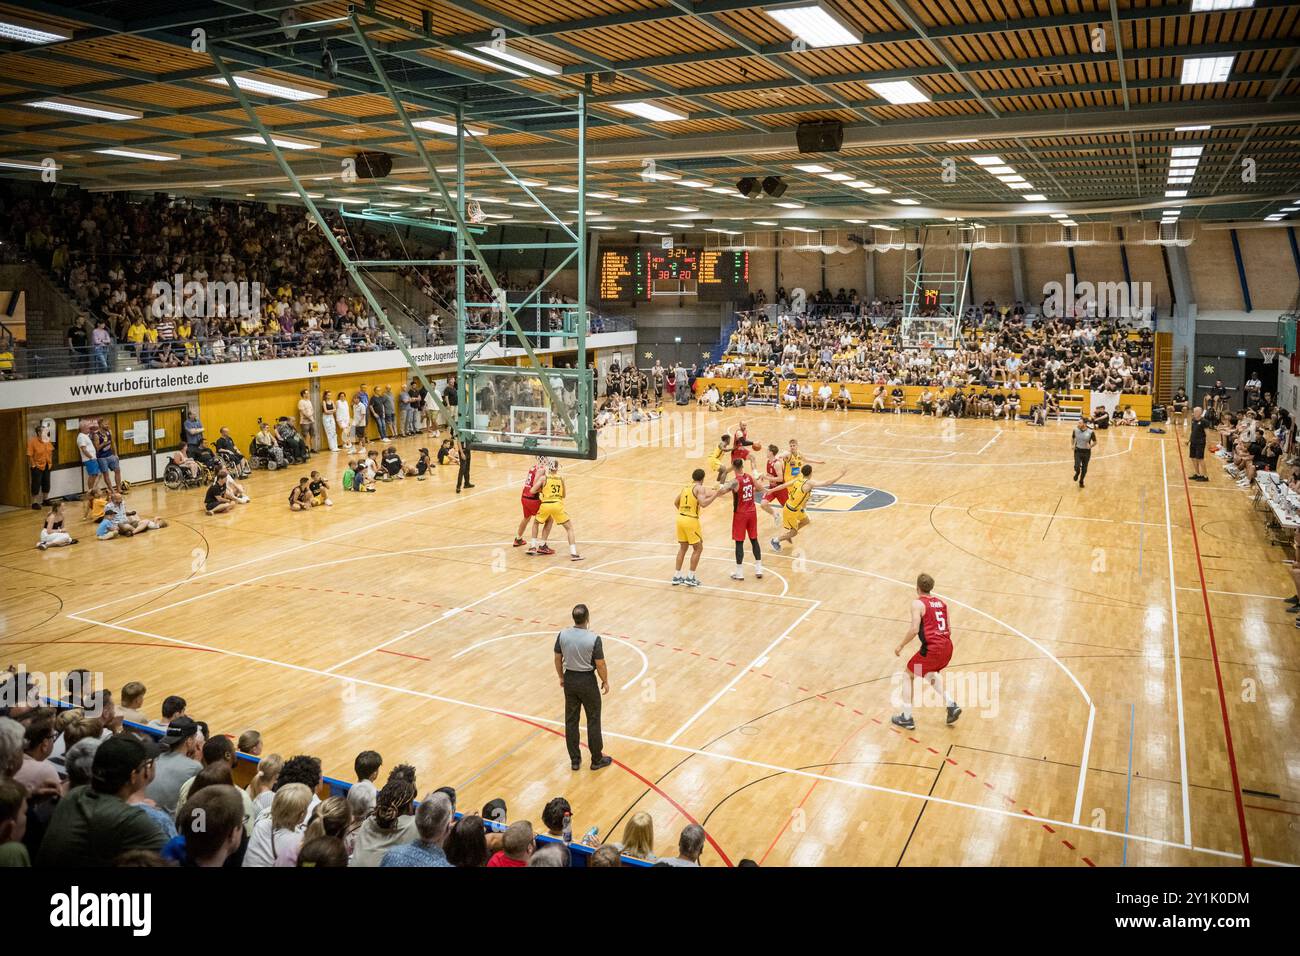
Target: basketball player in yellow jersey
x,y
551,493
688,503
800,490
720,460
795,461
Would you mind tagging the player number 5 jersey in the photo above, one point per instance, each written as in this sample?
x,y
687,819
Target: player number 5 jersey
x,y
934,622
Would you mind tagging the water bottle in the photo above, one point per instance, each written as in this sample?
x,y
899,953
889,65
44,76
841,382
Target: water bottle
x,y
568,828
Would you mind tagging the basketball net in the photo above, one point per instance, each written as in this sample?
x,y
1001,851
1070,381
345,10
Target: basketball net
x,y
1269,353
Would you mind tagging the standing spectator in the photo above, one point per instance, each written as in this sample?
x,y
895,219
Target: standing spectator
x,y
433,822
78,340
343,418
579,656
328,421
689,847
101,342
40,459
449,400
307,419
92,825
390,411
1196,445
86,448
107,455
360,415
462,476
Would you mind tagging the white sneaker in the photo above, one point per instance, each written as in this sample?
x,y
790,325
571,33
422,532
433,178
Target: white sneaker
x,y
678,579
328,503
692,582
737,576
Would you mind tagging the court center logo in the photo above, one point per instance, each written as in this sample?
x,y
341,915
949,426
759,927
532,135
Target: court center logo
x,y
841,498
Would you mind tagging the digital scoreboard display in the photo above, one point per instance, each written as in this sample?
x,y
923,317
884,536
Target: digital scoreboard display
x,y
636,274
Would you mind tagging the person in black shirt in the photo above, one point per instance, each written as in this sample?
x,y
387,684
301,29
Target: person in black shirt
x,y
218,497
79,343
1196,445
462,476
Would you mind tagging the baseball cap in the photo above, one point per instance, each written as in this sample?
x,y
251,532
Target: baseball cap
x,y
179,730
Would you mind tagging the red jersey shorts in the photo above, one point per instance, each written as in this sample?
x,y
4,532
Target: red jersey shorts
x,y
934,660
744,525
530,505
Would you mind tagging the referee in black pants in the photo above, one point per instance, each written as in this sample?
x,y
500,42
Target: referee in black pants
x,y
462,476
579,657
1082,438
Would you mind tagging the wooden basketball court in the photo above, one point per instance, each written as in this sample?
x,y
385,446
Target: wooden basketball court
x,y
1101,652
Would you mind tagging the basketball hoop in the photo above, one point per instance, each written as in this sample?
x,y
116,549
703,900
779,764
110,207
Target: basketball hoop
x,y
1270,352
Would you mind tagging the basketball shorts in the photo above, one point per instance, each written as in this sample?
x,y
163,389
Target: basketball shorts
x,y
530,505
688,530
780,497
1196,451
554,511
793,520
934,660
744,525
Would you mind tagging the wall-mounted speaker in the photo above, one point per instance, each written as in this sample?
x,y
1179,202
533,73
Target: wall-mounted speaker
x,y
774,186
373,165
748,186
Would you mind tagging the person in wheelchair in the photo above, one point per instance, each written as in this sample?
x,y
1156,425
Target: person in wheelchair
x,y
230,454
266,446
184,472
293,444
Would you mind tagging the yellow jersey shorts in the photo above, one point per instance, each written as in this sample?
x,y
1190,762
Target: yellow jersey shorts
x,y
553,510
688,530
793,520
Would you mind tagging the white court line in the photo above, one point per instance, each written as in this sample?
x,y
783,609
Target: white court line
x,y
785,585
727,758
450,612
1036,514
702,587
1178,660
996,435
979,464
645,661
762,655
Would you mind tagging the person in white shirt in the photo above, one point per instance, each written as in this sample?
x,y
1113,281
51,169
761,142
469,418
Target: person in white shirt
x,y
307,419
343,418
824,396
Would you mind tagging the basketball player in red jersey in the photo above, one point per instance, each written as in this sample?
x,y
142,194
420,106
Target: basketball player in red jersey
x,y
744,520
741,442
930,626
530,500
774,501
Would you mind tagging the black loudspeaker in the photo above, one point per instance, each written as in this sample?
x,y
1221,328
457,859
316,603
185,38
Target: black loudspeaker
x,y
748,186
1158,413
373,165
820,136
774,186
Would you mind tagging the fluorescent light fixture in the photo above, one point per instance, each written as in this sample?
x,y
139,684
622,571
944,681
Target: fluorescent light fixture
x,y
1068,222
497,215
251,84
680,225
1191,129
790,205
860,184
695,183
1290,209
957,142
1184,151
630,200
492,200
600,194
314,196
1013,178
801,229
723,191
1189,162
1035,197
725,232
66,104
877,225
388,205
1180,180
904,201
600,227
1207,6
29,31
987,160
1058,215
503,52
878,191
655,176
1020,187
650,111
643,220
347,200
1274,218
446,127
21,164
562,189
837,177
284,142
1206,69
1175,193
140,154
683,208
1000,170
408,189
524,181
523,203
815,24
490,64
812,168
901,92
857,222
765,222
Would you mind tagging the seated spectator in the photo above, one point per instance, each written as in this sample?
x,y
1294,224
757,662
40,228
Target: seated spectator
x,y
689,847
13,824
552,854
605,856
393,821
182,746
52,533
366,765
38,774
557,816
93,825
269,445
293,444
324,852
132,700
331,818
173,706
211,826
433,821
281,828
447,453
638,838
517,846
120,521
424,466
250,742
319,489
220,752
218,499
391,466
300,498
229,452
261,789
466,845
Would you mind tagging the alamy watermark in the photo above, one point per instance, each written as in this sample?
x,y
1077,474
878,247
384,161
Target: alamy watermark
x,y
1101,299
206,300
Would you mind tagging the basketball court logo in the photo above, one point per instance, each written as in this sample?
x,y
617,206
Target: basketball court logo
x,y
849,498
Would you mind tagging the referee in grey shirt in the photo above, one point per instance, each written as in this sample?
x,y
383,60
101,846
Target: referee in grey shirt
x,y
1082,439
579,657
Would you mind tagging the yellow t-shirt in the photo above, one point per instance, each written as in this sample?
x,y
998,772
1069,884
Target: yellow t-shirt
x,y
135,332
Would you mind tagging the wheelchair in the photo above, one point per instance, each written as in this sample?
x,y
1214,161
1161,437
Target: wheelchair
x,y
261,458
176,477
236,464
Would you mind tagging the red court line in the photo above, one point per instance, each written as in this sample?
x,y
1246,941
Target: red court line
x,y
1290,813
649,783
1214,653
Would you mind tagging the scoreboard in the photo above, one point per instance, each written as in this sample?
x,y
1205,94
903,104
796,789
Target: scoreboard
x,y
637,273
